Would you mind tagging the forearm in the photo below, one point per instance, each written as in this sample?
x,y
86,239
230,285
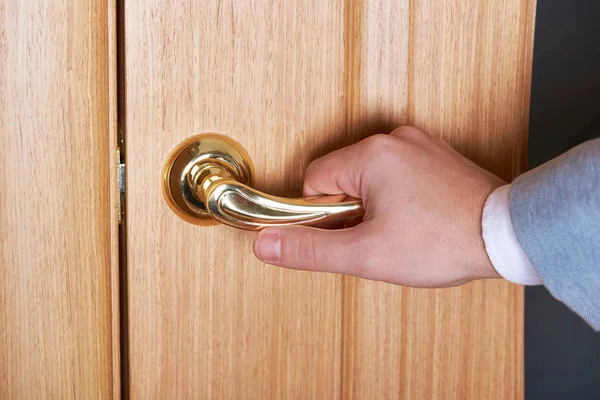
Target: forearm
x,y
555,217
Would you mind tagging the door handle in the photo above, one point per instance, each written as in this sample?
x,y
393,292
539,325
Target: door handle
x,y
207,180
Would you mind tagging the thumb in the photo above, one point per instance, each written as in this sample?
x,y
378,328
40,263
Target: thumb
x,y
311,249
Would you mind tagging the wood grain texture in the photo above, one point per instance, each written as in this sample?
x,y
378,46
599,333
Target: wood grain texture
x,y
459,70
56,333
292,81
206,319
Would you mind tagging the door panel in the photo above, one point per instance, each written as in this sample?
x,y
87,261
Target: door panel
x,y
205,318
292,81
58,219
461,71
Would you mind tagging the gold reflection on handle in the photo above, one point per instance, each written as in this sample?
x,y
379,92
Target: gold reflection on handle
x,y
206,180
238,205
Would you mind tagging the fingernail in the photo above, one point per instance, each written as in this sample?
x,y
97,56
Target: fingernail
x,y
268,247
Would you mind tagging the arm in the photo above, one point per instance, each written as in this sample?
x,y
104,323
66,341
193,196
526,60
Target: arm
x,y
555,212
423,224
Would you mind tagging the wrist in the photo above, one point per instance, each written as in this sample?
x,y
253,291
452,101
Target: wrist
x,y
481,266
501,244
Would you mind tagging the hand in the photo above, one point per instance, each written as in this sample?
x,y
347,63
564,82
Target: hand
x,y
422,226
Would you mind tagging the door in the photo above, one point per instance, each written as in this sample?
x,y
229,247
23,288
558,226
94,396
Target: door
x,y
292,81
59,310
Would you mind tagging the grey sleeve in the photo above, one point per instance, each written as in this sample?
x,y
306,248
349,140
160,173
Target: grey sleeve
x,y
555,211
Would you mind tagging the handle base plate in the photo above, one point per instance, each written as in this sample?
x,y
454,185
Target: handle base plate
x,y
193,154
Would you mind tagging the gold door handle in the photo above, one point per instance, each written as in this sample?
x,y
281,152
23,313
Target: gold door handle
x,y
207,179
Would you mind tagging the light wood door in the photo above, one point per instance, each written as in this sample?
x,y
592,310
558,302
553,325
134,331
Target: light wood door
x,y
292,81
59,307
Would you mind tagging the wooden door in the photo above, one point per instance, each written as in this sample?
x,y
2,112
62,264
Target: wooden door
x,y
292,81
59,326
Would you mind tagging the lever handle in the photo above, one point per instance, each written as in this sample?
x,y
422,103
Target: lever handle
x,y
206,181
240,206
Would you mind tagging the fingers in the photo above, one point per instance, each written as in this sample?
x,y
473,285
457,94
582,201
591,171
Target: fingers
x,y
343,170
334,173
311,249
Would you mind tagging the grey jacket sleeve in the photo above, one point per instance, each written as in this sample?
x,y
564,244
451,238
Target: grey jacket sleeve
x,y
555,211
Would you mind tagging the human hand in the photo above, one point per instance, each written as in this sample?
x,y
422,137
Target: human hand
x,y
422,226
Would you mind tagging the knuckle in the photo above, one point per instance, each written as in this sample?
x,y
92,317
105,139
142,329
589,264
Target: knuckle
x,y
409,132
306,252
365,263
378,144
313,167
364,269
311,174
370,268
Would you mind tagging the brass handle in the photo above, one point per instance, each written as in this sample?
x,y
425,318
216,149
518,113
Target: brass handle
x,y
206,180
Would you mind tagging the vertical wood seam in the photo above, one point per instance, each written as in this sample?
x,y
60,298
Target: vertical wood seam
x,y
353,38
410,103
114,193
528,31
120,136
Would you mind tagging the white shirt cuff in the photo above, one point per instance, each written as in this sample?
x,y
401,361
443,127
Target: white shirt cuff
x,y
501,243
